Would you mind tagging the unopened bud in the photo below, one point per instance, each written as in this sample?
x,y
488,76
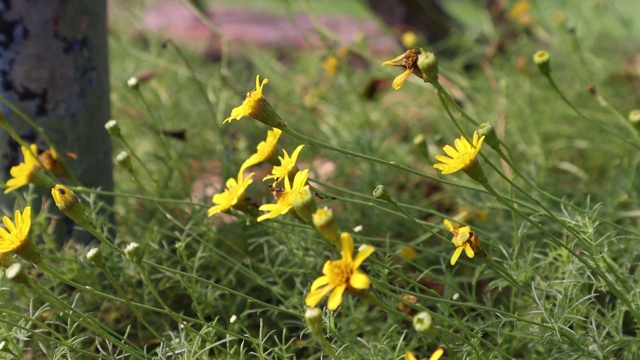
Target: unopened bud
x,y
490,137
313,317
67,201
381,193
304,204
325,223
133,82
95,258
543,60
428,64
16,274
6,260
634,118
422,321
113,128
134,252
123,159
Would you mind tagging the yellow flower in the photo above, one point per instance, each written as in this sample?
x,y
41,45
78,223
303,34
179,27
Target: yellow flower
x,y
232,195
25,172
409,39
287,165
463,157
409,61
15,235
284,196
330,66
463,239
265,150
256,106
340,275
520,12
408,355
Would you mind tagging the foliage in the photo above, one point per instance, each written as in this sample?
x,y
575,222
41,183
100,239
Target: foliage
x,y
549,228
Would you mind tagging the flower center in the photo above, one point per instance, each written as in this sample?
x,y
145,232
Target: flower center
x,y
340,272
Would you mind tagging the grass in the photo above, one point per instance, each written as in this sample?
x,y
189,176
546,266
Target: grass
x,y
557,217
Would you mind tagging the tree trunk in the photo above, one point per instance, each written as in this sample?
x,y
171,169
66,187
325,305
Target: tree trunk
x,y
54,68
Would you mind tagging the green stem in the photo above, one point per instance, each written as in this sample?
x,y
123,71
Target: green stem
x,y
555,87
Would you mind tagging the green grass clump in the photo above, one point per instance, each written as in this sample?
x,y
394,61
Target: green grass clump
x,y
553,222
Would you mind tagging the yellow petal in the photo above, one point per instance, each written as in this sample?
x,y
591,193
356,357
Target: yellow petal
x,y
408,355
314,297
319,282
335,299
397,61
362,255
26,220
400,79
437,354
346,242
326,269
469,251
9,224
4,234
359,280
451,151
456,255
448,225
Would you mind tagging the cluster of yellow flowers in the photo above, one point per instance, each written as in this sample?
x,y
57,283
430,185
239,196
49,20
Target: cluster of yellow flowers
x,y
293,196
14,237
289,185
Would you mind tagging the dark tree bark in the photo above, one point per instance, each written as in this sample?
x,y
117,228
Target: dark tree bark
x,y
54,67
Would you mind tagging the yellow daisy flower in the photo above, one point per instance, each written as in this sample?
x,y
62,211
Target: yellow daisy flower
x,y
463,157
330,65
232,196
463,239
25,172
265,151
284,196
287,165
16,236
340,275
409,61
256,106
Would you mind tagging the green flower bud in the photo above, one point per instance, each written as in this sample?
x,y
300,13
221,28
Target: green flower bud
x,y
326,225
543,59
67,201
313,317
6,260
123,159
133,83
428,64
113,128
634,118
95,258
422,321
134,252
490,137
381,193
16,274
304,204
